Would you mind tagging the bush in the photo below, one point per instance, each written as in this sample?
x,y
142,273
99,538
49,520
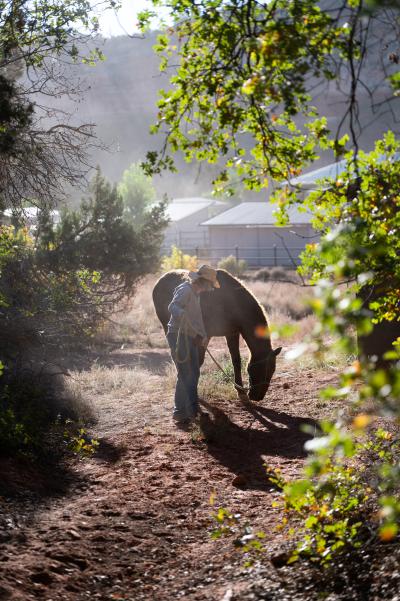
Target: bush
x,y
34,406
263,275
55,291
234,266
94,258
178,260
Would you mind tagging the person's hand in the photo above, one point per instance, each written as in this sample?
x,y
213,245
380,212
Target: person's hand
x,y
202,342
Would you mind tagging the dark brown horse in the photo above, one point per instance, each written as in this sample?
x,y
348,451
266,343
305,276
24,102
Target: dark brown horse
x,y
229,311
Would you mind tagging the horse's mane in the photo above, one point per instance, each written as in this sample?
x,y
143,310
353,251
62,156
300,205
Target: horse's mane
x,y
229,281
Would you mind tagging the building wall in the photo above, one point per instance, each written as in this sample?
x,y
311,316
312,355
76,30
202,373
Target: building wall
x,y
259,246
187,233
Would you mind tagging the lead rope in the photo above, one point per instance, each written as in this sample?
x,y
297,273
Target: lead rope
x,y
183,330
231,380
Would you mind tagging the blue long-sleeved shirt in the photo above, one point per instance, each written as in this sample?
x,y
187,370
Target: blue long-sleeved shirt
x,y
186,303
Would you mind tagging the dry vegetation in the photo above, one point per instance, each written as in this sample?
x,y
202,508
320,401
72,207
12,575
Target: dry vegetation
x,y
138,516
285,303
131,380
137,323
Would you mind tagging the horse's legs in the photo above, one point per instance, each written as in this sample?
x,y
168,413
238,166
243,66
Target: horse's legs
x,y
233,346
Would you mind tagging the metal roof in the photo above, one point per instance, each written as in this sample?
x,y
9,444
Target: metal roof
x,y
31,214
193,199
309,180
180,208
255,213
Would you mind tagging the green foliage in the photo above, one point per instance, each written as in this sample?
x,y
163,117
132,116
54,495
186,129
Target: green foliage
x,y
15,116
31,31
244,75
245,540
338,494
13,435
358,215
178,260
98,237
78,441
27,411
31,425
95,256
138,194
235,266
237,81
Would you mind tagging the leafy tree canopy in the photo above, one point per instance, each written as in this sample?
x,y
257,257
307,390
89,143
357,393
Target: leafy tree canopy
x,y
34,31
247,71
241,96
137,192
41,148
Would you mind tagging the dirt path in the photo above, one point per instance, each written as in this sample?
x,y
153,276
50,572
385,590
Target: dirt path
x,y
135,523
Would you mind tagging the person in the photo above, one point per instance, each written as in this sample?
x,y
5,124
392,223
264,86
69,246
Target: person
x,y
185,334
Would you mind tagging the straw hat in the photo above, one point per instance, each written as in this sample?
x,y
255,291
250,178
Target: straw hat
x,y
206,272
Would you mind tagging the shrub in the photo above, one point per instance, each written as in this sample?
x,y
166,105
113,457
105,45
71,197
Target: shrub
x,y
58,289
34,406
178,260
264,274
334,507
234,266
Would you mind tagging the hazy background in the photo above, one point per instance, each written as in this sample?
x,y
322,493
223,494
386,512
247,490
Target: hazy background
x,y
119,95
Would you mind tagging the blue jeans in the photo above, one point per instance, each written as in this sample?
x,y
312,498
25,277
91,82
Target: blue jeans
x,y
186,359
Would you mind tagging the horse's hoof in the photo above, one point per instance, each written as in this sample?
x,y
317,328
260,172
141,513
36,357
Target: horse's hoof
x,y
243,398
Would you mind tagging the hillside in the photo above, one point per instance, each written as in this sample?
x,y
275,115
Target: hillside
x,y
120,94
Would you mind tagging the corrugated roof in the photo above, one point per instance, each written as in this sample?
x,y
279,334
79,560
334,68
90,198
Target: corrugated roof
x,y
255,213
309,180
193,199
184,207
31,214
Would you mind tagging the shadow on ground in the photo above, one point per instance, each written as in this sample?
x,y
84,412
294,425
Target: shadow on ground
x,y
245,450
24,480
154,361
109,452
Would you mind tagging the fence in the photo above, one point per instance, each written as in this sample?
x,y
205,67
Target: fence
x,y
186,240
272,256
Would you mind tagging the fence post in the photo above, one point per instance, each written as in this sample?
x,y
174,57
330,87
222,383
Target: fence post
x,y
237,254
275,256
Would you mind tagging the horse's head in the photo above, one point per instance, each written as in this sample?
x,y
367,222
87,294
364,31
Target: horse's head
x,y
260,373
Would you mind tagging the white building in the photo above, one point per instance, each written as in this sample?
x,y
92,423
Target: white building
x,y
185,230
249,231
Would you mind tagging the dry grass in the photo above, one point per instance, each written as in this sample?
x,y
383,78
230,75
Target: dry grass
x,y
286,298
145,399
137,322
142,397
285,304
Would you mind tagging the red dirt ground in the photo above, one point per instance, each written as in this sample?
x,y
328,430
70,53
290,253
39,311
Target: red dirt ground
x,y
133,523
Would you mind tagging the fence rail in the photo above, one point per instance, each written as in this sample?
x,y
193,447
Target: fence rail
x,y
272,256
